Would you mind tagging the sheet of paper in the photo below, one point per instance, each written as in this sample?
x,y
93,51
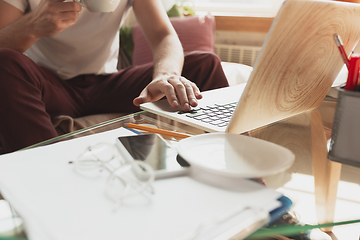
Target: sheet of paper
x,y
58,203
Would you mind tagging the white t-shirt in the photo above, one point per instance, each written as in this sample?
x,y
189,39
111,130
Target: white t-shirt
x,y
90,46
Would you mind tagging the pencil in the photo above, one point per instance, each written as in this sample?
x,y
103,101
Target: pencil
x,y
340,45
157,130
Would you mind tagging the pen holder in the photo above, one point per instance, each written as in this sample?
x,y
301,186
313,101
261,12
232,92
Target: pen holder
x,y
345,136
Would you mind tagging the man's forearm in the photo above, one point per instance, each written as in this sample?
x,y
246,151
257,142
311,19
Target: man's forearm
x,y
168,57
17,35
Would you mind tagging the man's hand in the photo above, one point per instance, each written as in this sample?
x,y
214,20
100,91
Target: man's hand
x,y
20,31
52,16
178,90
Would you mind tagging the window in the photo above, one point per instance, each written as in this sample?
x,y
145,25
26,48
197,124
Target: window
x,y
237,7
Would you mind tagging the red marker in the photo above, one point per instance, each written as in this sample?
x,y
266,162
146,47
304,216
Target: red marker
x,y
340,45
353,76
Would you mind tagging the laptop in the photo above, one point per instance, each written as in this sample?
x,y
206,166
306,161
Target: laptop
x,y
295,69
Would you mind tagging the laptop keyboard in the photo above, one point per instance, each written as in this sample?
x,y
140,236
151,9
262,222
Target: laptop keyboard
x,y
218,114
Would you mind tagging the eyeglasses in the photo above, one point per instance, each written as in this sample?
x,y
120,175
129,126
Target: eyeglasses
x,y
126,179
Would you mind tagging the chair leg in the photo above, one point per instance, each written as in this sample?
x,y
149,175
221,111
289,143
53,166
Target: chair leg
x,y
326,172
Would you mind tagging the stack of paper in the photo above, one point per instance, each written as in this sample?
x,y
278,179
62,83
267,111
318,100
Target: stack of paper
x,y
58,203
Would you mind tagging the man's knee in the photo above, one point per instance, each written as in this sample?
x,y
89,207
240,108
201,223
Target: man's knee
x,y
204,68
9,56
16,71
203,58
15,65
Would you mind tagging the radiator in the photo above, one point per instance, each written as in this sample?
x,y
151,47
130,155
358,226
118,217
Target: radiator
x,y
237,53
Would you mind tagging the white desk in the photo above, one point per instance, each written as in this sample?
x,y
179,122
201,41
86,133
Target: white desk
x,y
57,203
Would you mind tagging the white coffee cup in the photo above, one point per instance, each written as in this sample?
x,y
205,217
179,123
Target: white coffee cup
x,y
99,5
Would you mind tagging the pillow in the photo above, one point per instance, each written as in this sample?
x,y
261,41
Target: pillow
x,y
196,33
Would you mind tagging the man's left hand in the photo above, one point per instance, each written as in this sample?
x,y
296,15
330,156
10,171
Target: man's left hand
x,y
178,90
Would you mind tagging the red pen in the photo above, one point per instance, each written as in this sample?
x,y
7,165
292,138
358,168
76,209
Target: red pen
x,y
340,45
353,76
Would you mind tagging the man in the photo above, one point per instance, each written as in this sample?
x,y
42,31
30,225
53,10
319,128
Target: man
x,y
69,66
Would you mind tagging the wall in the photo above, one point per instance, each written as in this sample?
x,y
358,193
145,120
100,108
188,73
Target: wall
x,y
241,30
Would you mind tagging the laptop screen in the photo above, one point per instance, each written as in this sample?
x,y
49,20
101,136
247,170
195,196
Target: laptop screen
x,y
298,63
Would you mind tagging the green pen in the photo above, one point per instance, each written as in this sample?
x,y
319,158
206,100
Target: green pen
x,y
288,230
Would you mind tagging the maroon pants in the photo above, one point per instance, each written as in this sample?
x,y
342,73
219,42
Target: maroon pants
x,y
30,96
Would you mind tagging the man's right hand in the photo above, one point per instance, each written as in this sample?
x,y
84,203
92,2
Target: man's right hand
x,y
20,31
52,16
